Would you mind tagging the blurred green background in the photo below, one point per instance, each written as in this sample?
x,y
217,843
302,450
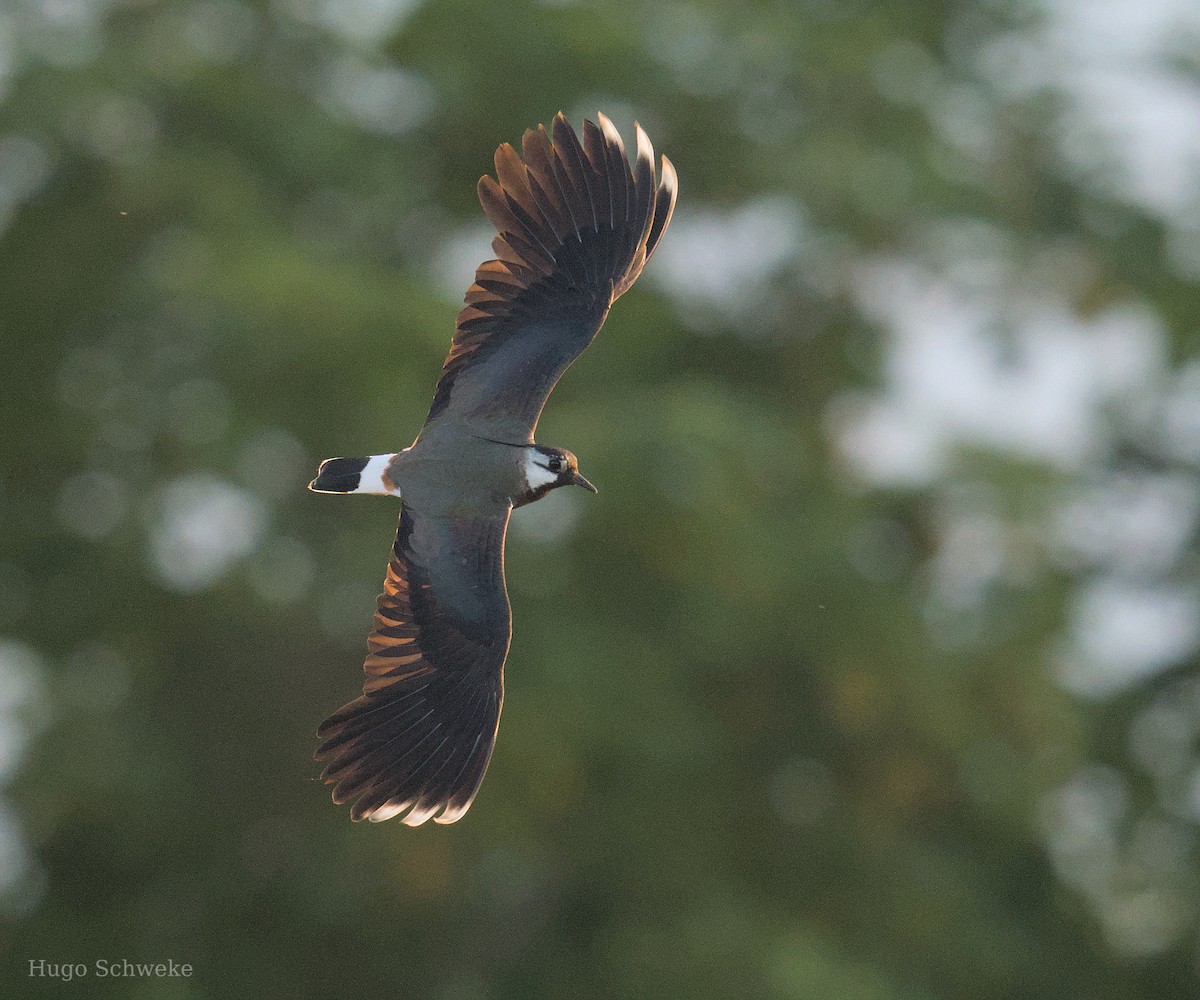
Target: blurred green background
x,y
871,671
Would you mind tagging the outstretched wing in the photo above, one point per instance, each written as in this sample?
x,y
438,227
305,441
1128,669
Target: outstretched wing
x,y
576,226
419,739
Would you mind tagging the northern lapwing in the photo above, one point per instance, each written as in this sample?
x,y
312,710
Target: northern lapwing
x,y
576,226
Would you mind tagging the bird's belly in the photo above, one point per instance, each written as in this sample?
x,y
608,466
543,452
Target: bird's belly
x,y
463,476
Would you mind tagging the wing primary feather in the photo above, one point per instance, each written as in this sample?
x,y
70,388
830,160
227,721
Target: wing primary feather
x,y
618,255
420,785
478,723
569,183
416,785
572,173
539,174
510,224
573,192
664,205
514,181
365,761
551,175
620,183
532,226
534,257
644,184
452,813
442,696
352,710
468,782
593,144
566,140
618,168
593,148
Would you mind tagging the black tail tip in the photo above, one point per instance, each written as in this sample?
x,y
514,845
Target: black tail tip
x,y
339,475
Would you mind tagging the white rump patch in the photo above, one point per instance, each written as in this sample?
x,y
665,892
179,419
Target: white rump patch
x,y
371,479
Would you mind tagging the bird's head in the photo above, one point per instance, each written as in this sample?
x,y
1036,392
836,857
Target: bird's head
x,y
548,468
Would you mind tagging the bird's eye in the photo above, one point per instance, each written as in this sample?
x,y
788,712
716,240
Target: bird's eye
x,y
556,464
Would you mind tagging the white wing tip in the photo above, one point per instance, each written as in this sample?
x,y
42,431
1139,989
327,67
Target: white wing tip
x,y
670,179
610,131
645,148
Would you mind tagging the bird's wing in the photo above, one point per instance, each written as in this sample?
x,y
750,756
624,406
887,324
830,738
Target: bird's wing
x,y
575,227
419,739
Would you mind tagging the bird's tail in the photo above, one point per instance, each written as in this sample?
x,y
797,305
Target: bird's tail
x,y
356,475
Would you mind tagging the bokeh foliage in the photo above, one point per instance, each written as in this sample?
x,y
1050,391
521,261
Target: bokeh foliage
x,y
776,725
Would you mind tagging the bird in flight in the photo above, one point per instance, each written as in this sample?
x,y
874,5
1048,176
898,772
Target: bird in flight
x,y
575,226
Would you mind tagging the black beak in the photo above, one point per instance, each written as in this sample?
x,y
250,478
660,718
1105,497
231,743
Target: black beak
x,y
578,480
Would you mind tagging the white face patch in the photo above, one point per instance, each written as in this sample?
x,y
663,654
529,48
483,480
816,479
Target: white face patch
x,y
537,475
